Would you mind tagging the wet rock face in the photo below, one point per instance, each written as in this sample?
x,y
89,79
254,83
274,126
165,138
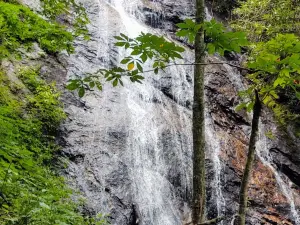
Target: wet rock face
x,y
130,148
165,14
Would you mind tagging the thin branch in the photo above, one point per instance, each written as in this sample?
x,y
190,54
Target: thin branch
x,y
209,222
203,64
213,221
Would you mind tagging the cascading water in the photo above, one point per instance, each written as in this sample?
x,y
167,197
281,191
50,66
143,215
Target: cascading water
x,y
153,192
132,145
214,148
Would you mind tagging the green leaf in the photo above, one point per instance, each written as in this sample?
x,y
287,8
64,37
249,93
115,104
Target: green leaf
x,y
121,44
126,60
136,52
99,86
92,84
278,81
189,22
182,33
144,57
241,106
110,78
124,36
211,49
115,82
250,106
73,85
81,92
118,38
140,68
182,25
270,135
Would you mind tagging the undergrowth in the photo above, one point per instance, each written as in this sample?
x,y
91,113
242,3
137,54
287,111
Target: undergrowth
x,y
31,192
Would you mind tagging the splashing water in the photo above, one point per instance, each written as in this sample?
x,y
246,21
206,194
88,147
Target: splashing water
x,y
214,148
153,190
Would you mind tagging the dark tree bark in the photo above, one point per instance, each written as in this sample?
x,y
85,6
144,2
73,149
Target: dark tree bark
x,y
241,218
198,204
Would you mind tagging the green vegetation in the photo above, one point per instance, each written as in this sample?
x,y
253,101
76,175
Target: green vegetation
x,y
20,28
31,191
160,52
264,19
277,73
274,54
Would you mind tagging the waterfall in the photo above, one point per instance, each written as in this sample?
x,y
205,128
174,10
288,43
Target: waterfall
x,y
132,145
153,190
213,147
262,151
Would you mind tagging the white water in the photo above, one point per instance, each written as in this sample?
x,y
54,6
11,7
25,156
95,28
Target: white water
x,y
153,193
214,148
262,151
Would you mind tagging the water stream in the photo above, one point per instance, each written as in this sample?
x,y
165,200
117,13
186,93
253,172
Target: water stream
x,y
156,148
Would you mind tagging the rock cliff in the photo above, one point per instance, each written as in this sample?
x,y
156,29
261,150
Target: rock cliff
x,y
130,148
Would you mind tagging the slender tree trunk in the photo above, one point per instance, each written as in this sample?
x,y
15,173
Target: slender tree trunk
x,y
241,219
198,204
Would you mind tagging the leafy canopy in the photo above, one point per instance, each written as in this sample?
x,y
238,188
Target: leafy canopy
x,y
264,19
277,66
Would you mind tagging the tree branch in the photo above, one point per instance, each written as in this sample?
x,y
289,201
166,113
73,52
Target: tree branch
x,y
204,64
210,222
213,221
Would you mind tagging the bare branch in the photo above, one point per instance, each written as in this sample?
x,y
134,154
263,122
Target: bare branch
x,y
209,222
203,64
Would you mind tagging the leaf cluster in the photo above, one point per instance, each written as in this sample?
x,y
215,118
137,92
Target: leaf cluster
x,y
217,38
20,27
158,53
146,48
277,66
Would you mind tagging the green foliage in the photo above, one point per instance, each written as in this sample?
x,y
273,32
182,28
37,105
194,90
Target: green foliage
x,y
20,27
30,191
160,53
145,48
277,67
216,37
264,19
43,104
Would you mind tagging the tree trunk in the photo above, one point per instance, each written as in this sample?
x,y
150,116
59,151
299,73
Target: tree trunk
x,y
241,218
198,204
